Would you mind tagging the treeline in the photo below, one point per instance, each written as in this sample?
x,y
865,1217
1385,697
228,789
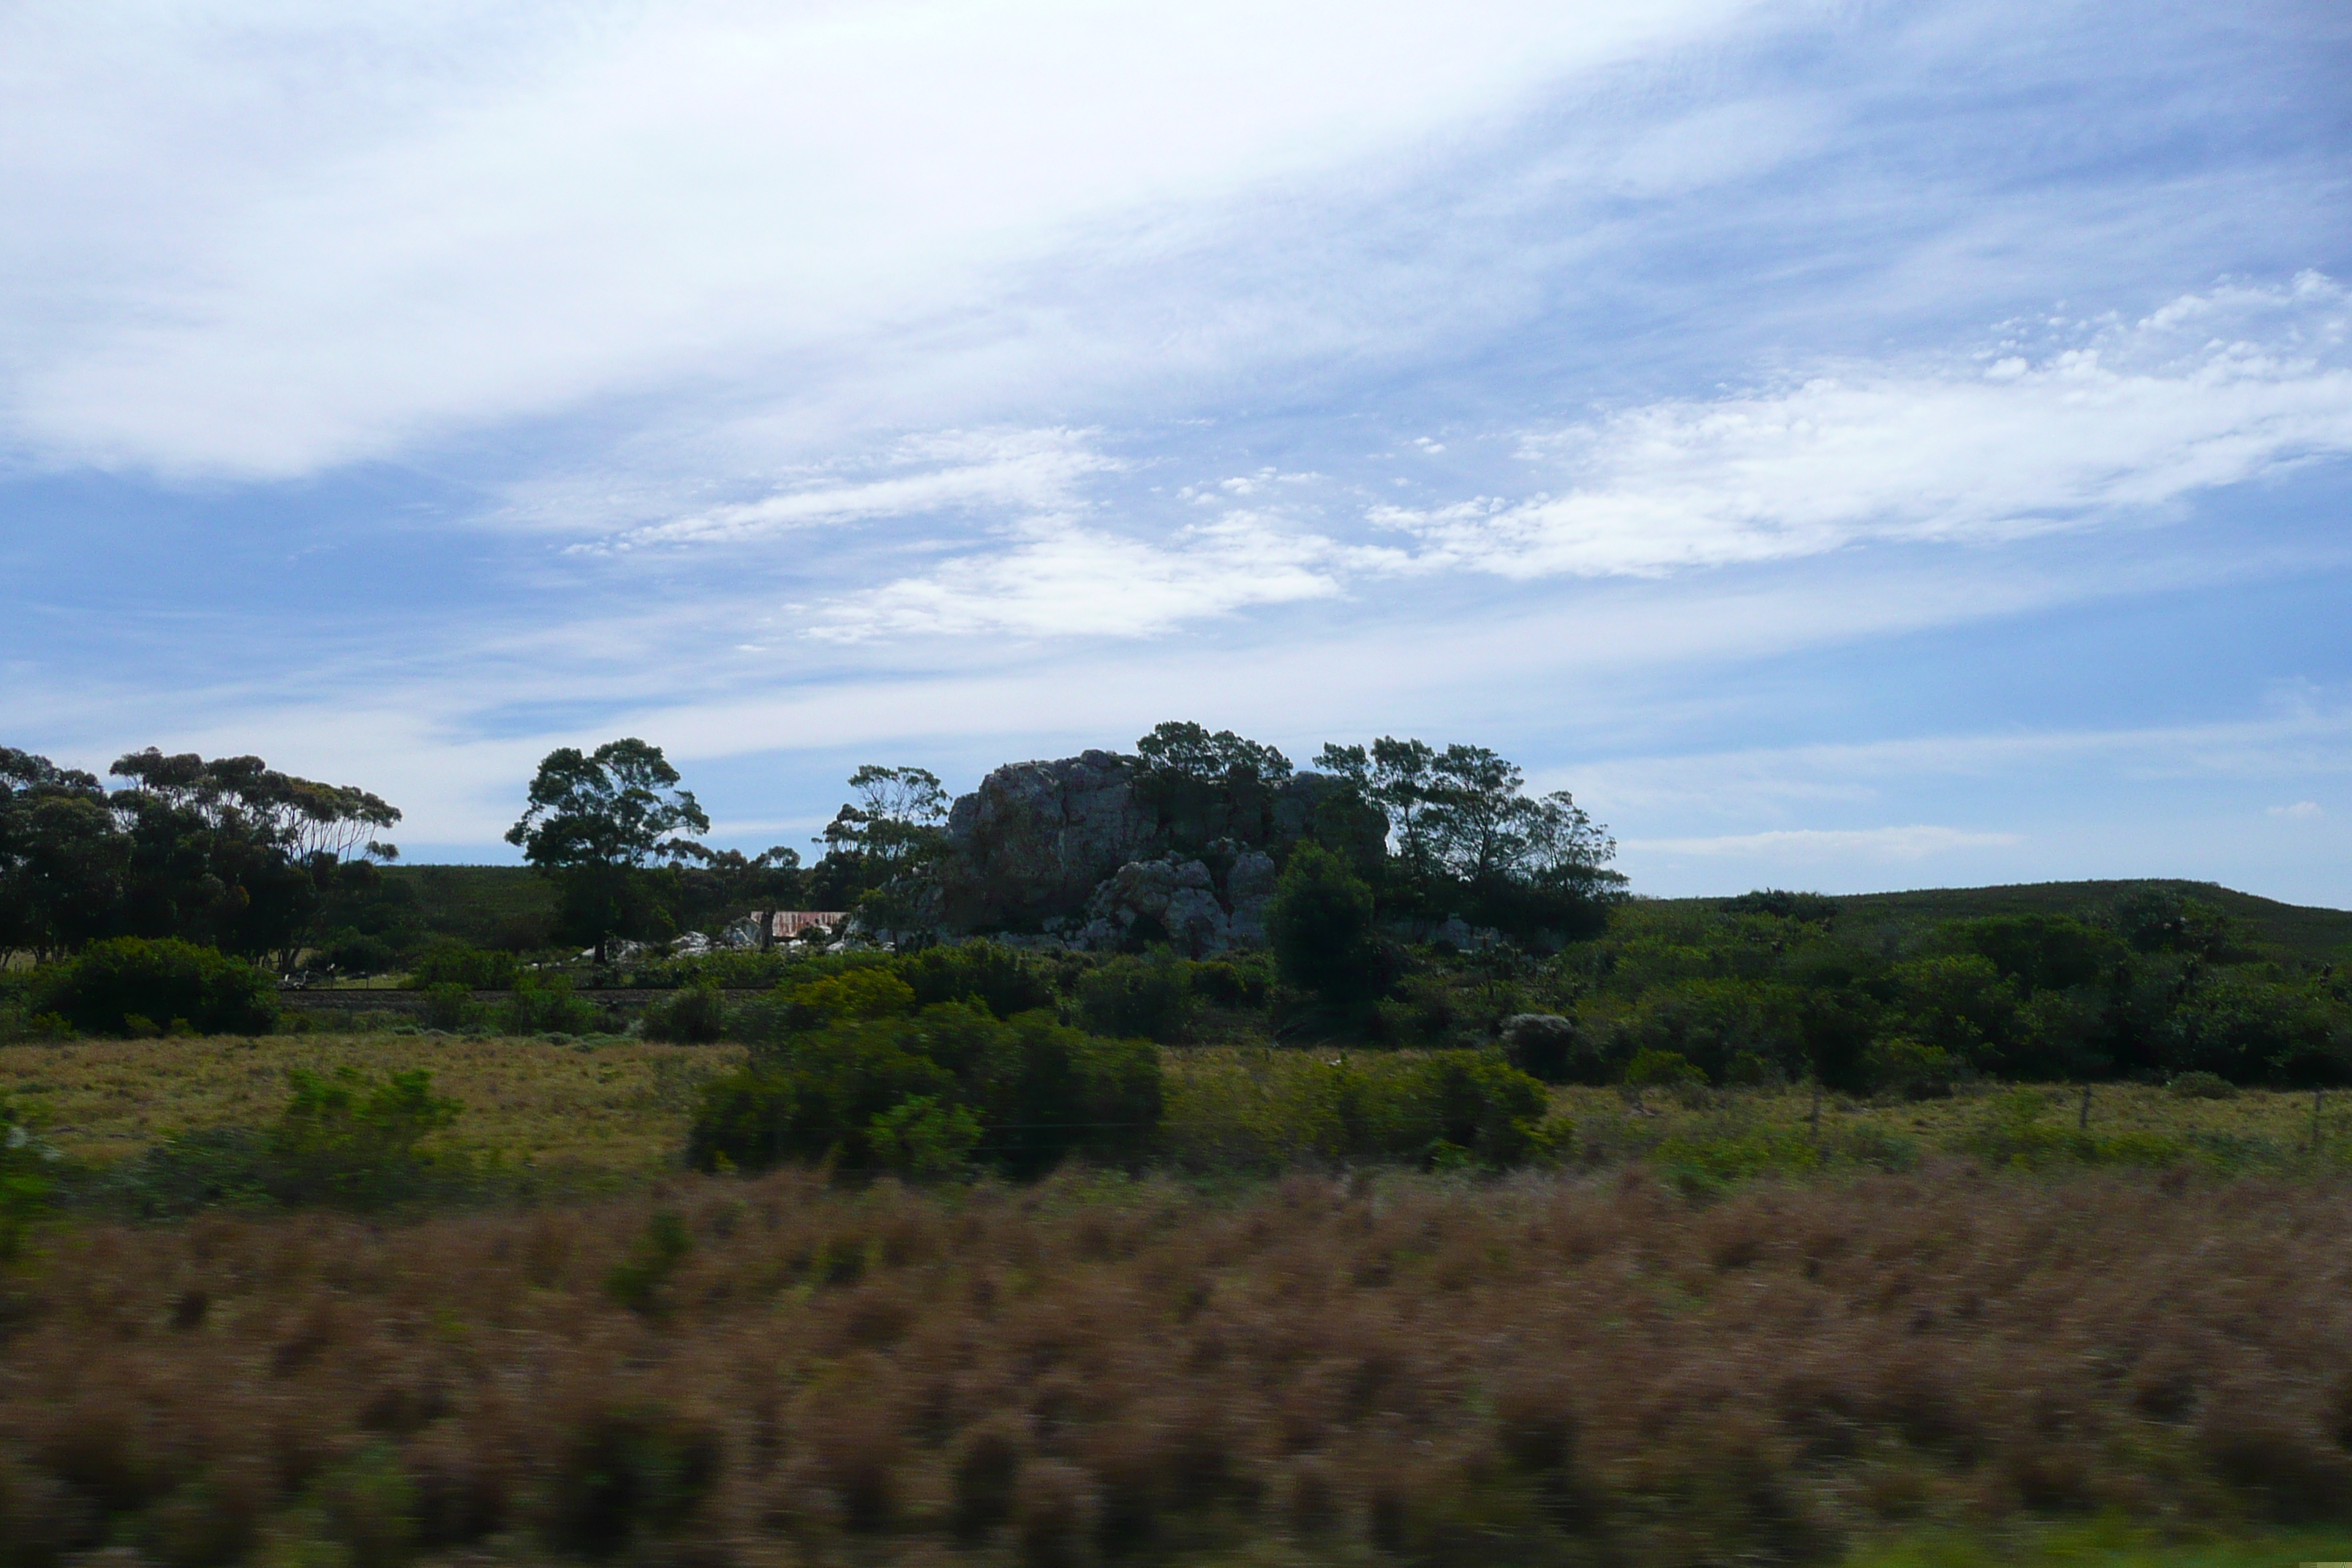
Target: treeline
x,y
230,853
1774,987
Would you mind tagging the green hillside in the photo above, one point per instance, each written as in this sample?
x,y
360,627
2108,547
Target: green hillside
x,y
2295,929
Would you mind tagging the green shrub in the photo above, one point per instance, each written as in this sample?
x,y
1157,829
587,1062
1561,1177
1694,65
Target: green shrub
x,y
627,1474
1005,982
344,1140
355,952
451,1006
885,1093
449,963
1271,1110
1149,995
1241,983
695,1016
2203,1086
1552,1048
168,983
1654,1068
546,1005
1912,1069
746,969
924,1136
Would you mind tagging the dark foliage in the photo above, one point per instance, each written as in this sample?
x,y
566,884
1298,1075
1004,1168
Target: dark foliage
x,y
227,853
900,1091
1148,995
129,985
1320,923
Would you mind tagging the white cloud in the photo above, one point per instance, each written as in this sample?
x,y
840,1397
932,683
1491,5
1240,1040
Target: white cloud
x,y
2301,811
2137,418
1914,843
1066,580
247,241
1028,471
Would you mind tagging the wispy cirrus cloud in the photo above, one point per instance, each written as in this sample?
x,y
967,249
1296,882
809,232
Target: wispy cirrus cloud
x,y
2211,390
990,472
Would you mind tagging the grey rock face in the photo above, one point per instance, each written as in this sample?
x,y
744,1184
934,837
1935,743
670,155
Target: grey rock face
x,y
1249,887
1178,896
1036,840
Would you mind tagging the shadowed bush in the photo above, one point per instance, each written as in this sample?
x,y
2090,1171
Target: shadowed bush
x,y
133,986
902,1093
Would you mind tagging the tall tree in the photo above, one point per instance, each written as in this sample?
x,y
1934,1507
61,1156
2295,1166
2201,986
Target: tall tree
x,y
233,852
62,856
1469,838
601,823
879,847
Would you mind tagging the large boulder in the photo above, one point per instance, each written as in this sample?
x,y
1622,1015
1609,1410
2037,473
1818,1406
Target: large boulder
x,y
1168,900
1036,840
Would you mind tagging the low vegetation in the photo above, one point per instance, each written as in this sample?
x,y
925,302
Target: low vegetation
x,y
1396,1369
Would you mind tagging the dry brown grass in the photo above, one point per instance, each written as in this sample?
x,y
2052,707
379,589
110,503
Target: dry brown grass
x,y
620,1107
1542,1370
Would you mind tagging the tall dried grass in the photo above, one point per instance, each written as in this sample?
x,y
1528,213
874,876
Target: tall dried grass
x,y
1407,1369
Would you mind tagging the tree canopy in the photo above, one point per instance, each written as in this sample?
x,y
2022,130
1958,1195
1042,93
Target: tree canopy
x,y
597,822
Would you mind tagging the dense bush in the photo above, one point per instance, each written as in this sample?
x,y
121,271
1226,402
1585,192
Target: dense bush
x,y
547,1005
891,1092
1002,980
693,1016
1366,1371
130,986
1148,995
451,1007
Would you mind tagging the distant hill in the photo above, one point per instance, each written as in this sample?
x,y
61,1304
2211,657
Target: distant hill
x,y
2295,929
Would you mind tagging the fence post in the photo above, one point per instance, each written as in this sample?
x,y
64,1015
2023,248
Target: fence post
x,y
1816,1117
2318,1098
2083,1123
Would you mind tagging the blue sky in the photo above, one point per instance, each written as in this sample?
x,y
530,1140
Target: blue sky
x,y
1850,445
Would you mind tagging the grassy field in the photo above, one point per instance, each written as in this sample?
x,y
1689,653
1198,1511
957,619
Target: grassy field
x,y
610,1109
621,1107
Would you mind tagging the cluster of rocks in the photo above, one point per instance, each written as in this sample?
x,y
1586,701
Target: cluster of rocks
x,y
1076,853
1182,902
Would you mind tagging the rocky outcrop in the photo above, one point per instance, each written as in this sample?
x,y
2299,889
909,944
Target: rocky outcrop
x,y
1168,900
1097,851
1249,887
1036,840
